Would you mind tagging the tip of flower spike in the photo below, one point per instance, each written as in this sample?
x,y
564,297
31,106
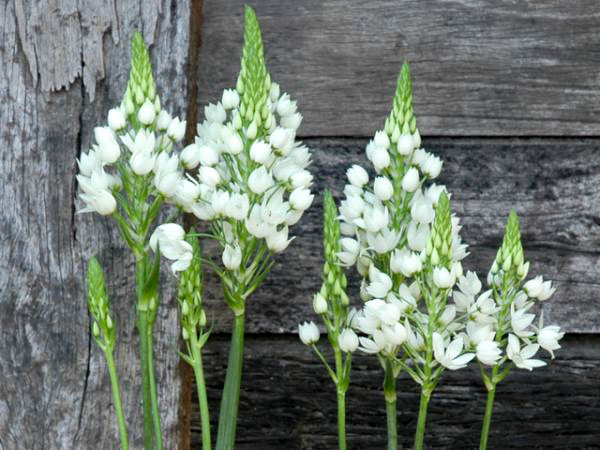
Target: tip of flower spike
x,y
402,120
94,273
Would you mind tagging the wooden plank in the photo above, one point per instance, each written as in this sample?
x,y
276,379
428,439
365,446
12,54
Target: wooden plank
x,y
552,184
55,392
482,68
288,401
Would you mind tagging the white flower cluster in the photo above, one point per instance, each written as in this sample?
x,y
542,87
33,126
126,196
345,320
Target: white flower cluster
x,y
504,322
121,151
249,180
170,239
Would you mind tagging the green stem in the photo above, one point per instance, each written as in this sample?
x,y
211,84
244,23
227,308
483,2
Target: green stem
x,y
148,426
389,390
116,391
422,419
487,419
341,399
231,390
153,395
201,387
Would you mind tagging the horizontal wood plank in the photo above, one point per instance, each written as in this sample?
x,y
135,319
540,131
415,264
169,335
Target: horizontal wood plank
x,y
552,184
480,68
288,401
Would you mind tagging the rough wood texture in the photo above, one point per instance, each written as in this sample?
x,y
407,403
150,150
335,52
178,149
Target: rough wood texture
x,y
54,389
288,401
552,184
483,68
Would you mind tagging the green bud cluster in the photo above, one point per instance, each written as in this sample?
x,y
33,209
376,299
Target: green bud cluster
x,y
510,258
254,82
141,85
334,279
189,294
103,327
439,246
402,118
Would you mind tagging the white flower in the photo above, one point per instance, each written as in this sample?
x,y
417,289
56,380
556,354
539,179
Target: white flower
x,y
301,199
163,120
88,163
176,129
215,113
350,250
520,321
309,333
101,202
357,176
144,141
232,257
255,224
488,352
405,262
410,182
169,237
348,340
292,122
108,149
220,202
417,236
166,174
274,209
548,338
522,356
147,113
384,241
301,178
260,152
374,345
142,162
230,99
235,144
319,303
432,166
190,156
422,211
383,188
443,278
208,155
286,106
395,334
380,284
238,206
533,287
449,356
406,144
382,140
260,180
116,119
380,159
187,193
278,241
280,137
374,218
209,176
469,284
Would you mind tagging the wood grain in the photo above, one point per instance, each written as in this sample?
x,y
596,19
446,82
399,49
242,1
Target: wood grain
x,y
552,183
54,388
482,68
288,401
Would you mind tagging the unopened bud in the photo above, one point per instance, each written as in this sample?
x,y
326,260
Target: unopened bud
x,y
202,321
185,309
319,304
109,322
96,329
185,334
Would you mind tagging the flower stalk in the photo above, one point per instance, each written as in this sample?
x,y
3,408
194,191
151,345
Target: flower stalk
x,y
105,334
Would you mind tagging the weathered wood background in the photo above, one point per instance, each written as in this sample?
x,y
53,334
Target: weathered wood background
x,y
507,93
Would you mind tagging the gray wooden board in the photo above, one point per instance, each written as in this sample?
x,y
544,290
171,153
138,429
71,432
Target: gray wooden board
x,y
554,185
483,68
288,401
54,389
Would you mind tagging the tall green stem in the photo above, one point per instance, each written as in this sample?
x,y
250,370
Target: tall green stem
x,y
143,325
231,390
202,397
153,395
419,436
341,400
389,390
489,405
116,391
